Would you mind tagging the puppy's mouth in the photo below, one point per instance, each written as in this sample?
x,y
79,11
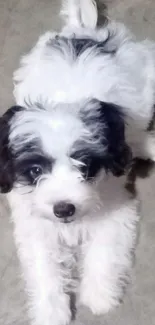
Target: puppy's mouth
x,y
67,220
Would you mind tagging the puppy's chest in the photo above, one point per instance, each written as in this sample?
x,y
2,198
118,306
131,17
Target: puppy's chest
x,y
71,265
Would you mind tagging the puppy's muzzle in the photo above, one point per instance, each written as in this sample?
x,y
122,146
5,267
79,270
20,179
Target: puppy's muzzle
x,y
64,211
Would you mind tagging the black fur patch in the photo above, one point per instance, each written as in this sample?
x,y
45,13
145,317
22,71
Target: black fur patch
x,y
17,165
78,45
91,162
110,151
118,153
151,125
140,168
6,159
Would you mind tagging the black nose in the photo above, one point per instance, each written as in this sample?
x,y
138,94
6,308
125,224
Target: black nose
x,y
63,209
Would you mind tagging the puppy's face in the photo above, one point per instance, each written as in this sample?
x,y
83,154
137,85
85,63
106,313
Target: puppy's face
x,y
53,157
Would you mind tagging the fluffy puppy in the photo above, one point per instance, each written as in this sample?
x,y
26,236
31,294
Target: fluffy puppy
x,y
84,100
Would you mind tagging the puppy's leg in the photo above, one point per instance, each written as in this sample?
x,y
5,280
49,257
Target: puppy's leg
x,y
150,137
48,304
108,262
142,141
150,145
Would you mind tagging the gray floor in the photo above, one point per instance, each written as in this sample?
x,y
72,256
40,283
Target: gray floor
x,y
21,22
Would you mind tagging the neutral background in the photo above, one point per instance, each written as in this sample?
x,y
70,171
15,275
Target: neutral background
x,y
21,22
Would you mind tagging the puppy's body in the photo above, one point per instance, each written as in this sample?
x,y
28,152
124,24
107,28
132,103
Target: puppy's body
x,y
106,64
83,96
91,257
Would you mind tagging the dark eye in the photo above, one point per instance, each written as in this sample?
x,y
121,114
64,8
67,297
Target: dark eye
x,y
34,172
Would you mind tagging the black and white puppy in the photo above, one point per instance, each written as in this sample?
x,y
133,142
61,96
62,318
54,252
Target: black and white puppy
x,y
84,101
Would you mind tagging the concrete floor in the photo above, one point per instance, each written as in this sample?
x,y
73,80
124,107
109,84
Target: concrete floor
x,y
21,22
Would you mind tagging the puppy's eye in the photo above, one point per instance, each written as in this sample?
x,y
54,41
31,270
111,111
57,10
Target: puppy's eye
x,y
34,172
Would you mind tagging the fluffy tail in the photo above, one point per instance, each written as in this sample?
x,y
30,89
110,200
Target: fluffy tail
x,y
80,13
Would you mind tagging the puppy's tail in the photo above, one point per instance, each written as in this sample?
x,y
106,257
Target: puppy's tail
x,y
80,13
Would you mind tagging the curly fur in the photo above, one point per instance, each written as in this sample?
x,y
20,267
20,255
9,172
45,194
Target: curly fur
x,y
85,99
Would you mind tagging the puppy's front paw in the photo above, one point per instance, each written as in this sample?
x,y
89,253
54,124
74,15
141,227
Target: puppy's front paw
x,y
101,302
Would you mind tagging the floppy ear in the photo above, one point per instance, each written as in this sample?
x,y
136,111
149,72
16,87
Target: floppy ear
x,y
6,159
118,155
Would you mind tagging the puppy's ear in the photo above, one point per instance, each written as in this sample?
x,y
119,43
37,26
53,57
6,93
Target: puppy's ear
x,y
118,155
6,159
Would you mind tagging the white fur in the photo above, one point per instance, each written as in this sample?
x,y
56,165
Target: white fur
x,y
99,245
79,12
92,256
126,79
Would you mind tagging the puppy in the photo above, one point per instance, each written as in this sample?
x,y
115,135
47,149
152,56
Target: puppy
x,y
84,100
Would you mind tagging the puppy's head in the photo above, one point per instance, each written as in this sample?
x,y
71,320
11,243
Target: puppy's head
x,y
53,157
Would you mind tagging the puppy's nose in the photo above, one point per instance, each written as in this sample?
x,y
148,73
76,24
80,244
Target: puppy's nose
x,y
63,209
